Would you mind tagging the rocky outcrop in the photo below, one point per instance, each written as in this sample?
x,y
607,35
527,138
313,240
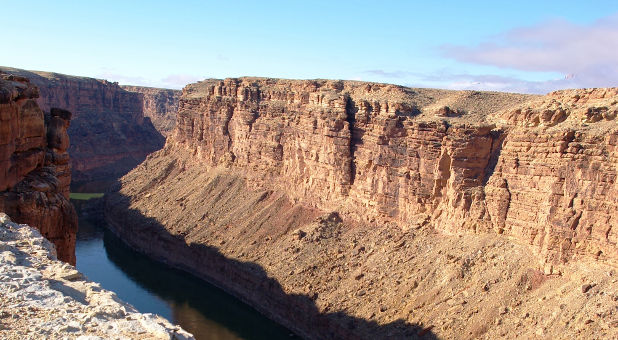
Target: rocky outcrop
x,y
323,184
43,298
160,105
109,132
35,172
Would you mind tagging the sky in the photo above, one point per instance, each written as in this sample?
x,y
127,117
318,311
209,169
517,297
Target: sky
x,y
516,46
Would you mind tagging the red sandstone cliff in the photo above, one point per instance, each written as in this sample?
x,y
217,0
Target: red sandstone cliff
x,y
109,132
449,201
544,171
35,173
160,105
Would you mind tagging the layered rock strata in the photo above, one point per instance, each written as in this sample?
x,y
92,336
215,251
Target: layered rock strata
x,y
160,105
418,180
35,171
109,132
41,297
380,153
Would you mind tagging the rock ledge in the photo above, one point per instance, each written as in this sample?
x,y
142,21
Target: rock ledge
x,y
41,297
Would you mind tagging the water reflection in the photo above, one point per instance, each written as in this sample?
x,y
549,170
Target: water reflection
x,y
152,287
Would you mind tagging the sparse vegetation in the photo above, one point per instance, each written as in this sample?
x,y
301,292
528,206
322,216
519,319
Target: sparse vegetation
x,y
84,196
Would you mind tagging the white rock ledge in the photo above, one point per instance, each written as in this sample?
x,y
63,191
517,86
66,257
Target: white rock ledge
x,y
43,298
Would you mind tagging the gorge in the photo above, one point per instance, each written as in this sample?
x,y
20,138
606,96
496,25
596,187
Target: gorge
x,y
112,127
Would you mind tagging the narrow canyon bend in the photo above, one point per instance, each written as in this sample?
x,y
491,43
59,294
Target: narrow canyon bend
x,y
112,128
359,210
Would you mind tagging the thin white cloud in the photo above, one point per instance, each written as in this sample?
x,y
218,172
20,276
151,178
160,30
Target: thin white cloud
x,y
465,81
587,55
178,81
124,79
388,74
172,81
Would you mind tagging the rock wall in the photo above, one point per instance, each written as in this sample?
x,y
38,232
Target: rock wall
x,y
543,171
109,132
160,105
43,298
364,210
555,183
35,171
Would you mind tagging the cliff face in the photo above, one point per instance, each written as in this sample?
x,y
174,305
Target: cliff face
x,y
160,105
109,132
555,183
357,210
34,165
544,172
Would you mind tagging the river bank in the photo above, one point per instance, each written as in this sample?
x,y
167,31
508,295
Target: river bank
x,y
150,286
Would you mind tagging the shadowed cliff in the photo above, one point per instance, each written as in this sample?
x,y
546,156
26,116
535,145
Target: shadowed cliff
x,y
109,133
34,165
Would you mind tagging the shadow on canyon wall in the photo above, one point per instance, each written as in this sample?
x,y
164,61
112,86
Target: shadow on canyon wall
x,y
101,153
246,280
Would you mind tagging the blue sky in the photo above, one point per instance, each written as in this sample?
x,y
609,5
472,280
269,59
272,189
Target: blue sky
x,y
522,46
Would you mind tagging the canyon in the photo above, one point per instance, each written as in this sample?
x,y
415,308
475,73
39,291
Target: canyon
x,y
340,209
34,164
111,129
347,209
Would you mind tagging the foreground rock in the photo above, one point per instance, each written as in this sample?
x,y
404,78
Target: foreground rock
x,y
43,298
35,171
109,132
359,210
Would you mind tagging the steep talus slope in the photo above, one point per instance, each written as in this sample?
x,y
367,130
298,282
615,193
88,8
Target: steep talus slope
x,y
330,280
109,132
35,173
454,212
160,105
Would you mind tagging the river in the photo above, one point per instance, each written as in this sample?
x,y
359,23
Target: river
x,y
152,287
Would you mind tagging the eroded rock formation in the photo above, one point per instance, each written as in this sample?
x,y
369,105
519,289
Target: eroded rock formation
x,y
35,173
109,132
160,105
382,153
419,180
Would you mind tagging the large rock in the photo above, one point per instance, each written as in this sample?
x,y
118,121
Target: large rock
x,y
43,298
35,170
109,132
